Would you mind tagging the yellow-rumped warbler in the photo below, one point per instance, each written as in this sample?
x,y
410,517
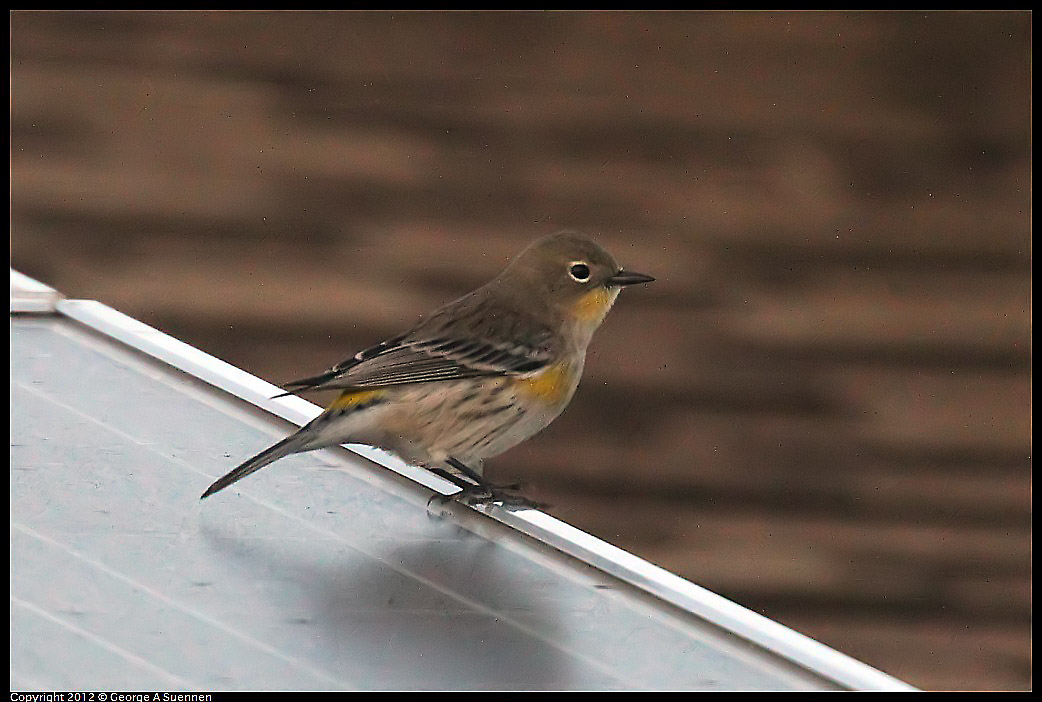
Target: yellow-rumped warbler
x,y
476,377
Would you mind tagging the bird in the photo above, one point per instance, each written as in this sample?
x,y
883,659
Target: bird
x,y
472,379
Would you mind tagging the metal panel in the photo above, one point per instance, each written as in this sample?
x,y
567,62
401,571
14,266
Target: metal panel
x,y
324,571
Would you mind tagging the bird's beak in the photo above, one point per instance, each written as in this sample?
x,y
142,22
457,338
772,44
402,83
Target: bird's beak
x,y
627,278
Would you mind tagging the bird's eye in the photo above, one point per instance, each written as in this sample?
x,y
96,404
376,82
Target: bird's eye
x,y
580,271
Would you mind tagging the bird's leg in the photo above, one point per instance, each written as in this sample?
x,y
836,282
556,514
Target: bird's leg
x,y
483,491
466,470
465,486
477,477
451,477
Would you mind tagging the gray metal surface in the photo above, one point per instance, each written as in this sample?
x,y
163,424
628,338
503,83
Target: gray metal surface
x,y
324,571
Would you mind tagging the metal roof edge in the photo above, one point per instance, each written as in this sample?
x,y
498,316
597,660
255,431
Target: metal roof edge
x,y
32,296
670,588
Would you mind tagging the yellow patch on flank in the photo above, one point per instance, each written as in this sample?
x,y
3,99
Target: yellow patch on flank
x,y
592,306
353,398
551,385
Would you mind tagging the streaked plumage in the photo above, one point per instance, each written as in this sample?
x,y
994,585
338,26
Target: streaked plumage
x,y
474,378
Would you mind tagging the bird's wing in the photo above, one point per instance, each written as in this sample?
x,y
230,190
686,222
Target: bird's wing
x,y
432,352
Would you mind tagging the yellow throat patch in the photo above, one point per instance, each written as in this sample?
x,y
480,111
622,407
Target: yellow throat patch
x,y
594,305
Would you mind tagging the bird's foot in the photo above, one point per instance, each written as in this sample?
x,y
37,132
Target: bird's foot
x,y
505,495
488,493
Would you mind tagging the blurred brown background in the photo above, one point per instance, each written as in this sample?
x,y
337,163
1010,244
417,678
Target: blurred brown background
x,y
820,410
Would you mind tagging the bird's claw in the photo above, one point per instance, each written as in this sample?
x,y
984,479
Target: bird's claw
x,y
501,496
505,495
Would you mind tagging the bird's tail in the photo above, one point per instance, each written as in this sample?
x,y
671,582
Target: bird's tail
x,y
291,444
